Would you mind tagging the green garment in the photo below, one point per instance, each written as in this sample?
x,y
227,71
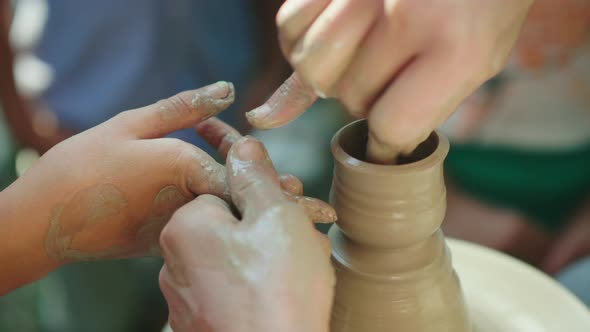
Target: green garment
x,y
7,155
546,186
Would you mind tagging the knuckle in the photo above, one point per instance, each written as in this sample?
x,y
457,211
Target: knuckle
x,y
319,81
406,135
201,216
177,145
180,155
173,104
287,34
186,156
355,104
478,57
200,211
164,281
186,153
250,184
288,209
169,236
353,95
291,183
199,173
285,14
214,206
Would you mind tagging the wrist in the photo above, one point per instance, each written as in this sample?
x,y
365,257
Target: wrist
x,y
24,227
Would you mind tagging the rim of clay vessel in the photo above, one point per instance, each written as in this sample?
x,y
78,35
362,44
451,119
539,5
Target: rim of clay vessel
x,y
434,149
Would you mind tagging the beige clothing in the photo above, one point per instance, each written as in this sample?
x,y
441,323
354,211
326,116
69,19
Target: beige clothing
x,y
542,99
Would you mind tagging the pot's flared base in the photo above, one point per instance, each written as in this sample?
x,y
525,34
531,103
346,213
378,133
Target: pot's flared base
x,y
413,289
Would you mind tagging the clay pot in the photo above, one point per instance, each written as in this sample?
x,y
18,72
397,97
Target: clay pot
x,y
393,268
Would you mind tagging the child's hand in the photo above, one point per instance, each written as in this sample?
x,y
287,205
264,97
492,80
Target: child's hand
x,y
107,192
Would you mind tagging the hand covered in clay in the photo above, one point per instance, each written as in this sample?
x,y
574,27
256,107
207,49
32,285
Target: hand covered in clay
x,y
266,271
108,192
405,64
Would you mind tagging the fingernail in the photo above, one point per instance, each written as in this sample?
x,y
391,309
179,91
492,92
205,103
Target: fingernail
x,y
332,216
328,215
259,113
262,117
250,149
231,138
219,90
286,12
214,97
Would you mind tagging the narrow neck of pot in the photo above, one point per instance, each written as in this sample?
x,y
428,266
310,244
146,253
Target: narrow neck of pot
x,y
388,206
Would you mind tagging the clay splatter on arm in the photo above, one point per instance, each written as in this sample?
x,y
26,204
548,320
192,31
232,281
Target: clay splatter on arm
x,y
70,222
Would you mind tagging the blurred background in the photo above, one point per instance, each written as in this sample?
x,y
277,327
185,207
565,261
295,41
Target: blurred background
x,y
518,173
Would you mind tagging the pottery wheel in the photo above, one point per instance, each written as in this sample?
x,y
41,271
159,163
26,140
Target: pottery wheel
x,y
506,295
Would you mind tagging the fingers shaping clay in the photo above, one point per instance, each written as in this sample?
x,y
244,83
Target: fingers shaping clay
x,y
393,267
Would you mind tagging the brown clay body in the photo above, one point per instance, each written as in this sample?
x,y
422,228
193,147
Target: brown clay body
x,y
393,268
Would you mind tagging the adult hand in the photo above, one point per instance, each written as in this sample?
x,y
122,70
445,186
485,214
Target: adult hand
x,y
572,244
404,64
266,271
107,192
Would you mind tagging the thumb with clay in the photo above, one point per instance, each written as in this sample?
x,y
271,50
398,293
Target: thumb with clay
x,y
254,272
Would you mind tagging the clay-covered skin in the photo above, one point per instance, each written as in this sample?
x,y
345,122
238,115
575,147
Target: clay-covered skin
x,y
107,192
266,271
103,209
393,269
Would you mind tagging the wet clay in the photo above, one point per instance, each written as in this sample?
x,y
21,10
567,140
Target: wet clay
x,y
94,225
393,268
89,207
165,204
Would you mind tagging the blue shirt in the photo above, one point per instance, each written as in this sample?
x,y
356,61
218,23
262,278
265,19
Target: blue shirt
x,y
113,55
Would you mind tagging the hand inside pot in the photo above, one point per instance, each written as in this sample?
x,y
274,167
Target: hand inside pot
x,y
405,65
